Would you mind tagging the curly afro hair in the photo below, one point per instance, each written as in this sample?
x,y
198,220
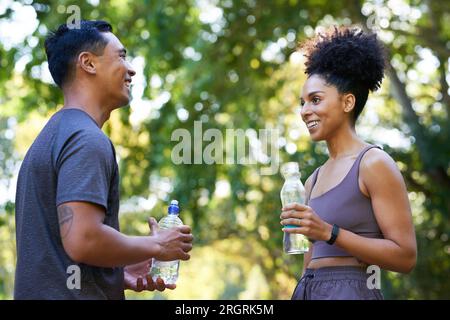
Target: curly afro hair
x,y
349,59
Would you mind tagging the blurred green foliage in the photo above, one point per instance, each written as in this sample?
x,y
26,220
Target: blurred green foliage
x,y
230,64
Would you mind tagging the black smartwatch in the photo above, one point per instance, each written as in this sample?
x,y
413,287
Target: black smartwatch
x,y
334,234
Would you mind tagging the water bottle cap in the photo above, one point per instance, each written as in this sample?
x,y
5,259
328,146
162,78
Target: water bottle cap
x,y
289,168
173,208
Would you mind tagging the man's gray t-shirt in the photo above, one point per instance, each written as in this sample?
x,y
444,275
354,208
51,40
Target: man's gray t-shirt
x,y
70,160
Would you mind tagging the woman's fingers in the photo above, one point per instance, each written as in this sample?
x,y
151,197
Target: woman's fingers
x,y
291,222
296,206
296,214
300,230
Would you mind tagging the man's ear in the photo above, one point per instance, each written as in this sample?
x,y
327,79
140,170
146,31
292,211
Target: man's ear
x,y
87,62
349,101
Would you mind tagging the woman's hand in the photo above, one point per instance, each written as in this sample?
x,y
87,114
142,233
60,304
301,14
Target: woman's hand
x,y
298,218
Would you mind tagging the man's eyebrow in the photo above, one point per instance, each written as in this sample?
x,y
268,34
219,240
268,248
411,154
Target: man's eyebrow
x,y
313,93
123,50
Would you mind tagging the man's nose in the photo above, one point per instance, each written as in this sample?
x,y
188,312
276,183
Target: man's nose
x,y
131,71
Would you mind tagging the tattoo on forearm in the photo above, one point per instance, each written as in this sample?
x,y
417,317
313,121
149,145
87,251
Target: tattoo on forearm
x,y
65,217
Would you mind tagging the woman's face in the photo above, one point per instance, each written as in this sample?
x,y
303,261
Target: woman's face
x,y
322,108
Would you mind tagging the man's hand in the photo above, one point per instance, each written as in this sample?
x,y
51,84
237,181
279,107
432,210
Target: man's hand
x,y
137,278
174,243
86,239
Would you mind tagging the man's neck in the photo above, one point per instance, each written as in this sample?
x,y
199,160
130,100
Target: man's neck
x,y
74,99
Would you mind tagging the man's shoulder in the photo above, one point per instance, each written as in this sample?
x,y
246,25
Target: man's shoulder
x,y
78,125
79,134
90,140
76,119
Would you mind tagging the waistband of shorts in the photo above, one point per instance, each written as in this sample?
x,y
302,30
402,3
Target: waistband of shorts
x,y
337,273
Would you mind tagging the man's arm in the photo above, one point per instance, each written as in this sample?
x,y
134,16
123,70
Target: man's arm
x,y
87,240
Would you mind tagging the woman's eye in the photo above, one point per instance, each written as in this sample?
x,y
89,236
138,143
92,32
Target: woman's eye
x,y
315,100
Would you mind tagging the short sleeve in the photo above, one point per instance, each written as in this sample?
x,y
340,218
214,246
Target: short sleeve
x,y
84,169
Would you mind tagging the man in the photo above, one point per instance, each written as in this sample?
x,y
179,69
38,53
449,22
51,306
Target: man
x,y
67,199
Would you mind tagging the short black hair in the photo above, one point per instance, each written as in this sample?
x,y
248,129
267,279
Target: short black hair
x,y
348,58
65,44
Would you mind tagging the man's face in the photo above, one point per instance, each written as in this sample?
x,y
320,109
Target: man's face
x,y
114,72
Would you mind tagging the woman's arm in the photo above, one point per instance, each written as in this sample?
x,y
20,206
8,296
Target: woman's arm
x,y
387,190
307,255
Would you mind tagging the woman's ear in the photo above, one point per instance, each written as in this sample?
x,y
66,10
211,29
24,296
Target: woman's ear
x,y
86,61
348,102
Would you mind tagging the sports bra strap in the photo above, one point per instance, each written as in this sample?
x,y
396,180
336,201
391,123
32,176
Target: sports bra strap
x,y
315,174
356,163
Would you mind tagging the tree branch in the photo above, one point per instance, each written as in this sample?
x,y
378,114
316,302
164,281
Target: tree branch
x,y
409,115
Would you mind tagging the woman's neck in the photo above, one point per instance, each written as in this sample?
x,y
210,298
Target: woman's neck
x,y
344,143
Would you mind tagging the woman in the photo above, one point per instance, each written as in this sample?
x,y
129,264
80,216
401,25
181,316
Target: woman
x,y
358,213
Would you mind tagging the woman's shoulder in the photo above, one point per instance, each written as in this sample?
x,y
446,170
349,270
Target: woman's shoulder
x,y
376,156
377,163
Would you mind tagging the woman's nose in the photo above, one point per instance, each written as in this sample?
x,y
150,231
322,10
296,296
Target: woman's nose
x,y
305,111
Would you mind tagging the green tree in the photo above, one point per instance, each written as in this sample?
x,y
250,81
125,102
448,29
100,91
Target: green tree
x,y
230,64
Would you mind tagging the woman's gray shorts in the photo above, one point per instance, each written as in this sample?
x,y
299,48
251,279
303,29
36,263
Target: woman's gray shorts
x,y
335,283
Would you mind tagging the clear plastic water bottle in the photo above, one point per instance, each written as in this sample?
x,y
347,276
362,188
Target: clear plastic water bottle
x,y
293,192
167,270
